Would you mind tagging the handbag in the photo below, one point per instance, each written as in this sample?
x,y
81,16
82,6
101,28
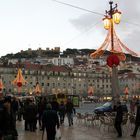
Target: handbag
x,y
58,134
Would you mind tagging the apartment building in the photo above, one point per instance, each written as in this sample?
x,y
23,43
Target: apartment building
x,y
69,80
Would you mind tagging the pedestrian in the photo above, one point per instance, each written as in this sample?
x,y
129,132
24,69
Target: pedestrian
x,y
41,108
20,110
50,121
26,114
118,119
132,106
62,110
55,104
137,121
9,127
70,110
32,112
14,107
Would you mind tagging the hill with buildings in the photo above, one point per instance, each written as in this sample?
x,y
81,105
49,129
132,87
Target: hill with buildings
x,y
49,53
71,72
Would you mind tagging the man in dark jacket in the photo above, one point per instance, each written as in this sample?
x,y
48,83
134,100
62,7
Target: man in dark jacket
x,y
62,110
137,122
32,112
55,105
50,121
118,119
69,111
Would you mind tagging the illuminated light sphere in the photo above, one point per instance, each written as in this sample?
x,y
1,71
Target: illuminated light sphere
x,y
106,22
19,84
117,17
113,60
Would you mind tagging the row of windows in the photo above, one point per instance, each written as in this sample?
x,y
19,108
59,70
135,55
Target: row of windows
x,y
67,84
47,73
100,80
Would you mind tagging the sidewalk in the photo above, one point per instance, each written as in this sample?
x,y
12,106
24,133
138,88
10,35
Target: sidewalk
x,y
77,132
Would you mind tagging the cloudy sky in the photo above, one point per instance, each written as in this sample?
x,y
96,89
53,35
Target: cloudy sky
x,y
45,23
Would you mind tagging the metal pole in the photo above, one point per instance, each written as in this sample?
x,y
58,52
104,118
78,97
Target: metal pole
x,y
114,77
111,20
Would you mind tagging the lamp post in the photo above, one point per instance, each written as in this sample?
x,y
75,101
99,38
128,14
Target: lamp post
x,y
113,16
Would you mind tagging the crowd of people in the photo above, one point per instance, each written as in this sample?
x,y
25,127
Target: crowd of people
x,y
48,114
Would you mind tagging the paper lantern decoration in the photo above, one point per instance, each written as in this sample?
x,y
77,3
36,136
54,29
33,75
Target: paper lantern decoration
x,y
19,84
113,60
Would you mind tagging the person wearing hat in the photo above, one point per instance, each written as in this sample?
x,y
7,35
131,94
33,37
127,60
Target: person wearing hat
x,y
50,121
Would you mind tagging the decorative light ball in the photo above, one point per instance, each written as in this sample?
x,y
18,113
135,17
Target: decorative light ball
x,y
113,60
19,84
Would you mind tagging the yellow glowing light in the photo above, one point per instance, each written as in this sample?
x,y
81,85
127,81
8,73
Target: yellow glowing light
x,y
117,17
106,22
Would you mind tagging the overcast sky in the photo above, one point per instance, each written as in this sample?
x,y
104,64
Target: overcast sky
x,y
45,23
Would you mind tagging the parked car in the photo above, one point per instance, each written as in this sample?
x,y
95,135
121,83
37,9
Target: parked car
x,y
108,107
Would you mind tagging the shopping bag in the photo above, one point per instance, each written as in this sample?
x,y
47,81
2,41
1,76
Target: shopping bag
x,y
58,135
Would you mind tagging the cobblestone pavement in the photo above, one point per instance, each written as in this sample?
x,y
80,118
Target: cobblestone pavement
x,y
79,131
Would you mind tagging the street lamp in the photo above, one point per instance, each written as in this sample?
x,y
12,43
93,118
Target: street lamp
x,y
113,16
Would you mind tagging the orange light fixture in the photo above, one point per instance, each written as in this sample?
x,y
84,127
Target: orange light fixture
x,y
19,81
37,88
